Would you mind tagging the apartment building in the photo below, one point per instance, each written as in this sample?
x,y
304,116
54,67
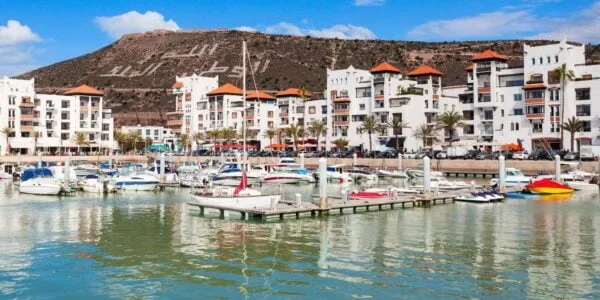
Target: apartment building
x,y
158,134
49,122
382,92
507,105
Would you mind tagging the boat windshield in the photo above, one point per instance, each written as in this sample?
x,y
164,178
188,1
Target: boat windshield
x,y
517,173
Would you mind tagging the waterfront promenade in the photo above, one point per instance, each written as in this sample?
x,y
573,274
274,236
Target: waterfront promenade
x,y
458,166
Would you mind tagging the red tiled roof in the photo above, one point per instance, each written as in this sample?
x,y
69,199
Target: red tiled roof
x,y
469,68
84,90
534,86
178,85
488,55
226,89
259,95
425,70
291,92
384,67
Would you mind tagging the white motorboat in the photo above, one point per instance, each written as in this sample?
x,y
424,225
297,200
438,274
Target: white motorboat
x,y
6,171
392,173
414,173
362,174
59,173
289,174
392,189
194,180
139,182
85,169
583,186
514,178
39,182
442,183
97,184
336,173
483,197
230,174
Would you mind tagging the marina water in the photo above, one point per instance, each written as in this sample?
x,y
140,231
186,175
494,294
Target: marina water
x,y
145,244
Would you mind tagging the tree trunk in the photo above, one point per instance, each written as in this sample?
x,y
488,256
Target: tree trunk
x,y
572,141
370,143
397,144
317,139
451,136
562,112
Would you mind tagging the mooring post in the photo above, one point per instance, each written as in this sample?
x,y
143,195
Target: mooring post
x,y
557,168
399,161
67,174
323,183
344,193
502,174
354,159
426,177
302,160
298,200
19,158
162,167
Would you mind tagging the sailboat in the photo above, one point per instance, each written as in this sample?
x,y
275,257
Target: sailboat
x,y
241,196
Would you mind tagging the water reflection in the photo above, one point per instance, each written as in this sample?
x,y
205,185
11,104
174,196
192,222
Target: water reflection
x,y
145,244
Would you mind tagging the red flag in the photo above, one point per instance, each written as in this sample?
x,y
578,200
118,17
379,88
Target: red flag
x,y
243,184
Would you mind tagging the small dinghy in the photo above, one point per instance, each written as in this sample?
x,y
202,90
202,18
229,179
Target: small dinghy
x,y
520,195
482,197
548,186
392,189
363,195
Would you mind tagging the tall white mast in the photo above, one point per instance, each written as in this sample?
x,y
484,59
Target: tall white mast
x,y
244,101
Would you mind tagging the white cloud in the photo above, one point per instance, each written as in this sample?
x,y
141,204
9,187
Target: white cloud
x,y
369,2
493,24
15,33
133,21
246,28
584,26
341,31
16,53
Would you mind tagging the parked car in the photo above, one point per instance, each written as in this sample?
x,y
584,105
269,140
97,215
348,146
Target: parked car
x,y
541,155
471,154
520,155
423,154
506,154
441,155
571,156
484,155
409,155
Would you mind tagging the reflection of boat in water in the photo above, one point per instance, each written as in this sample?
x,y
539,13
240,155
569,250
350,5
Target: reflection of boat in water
x,y
555,197
548,186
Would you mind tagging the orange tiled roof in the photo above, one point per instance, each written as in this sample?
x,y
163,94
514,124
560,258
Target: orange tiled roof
x,y
226,89
84,90
534,86
259,95
488,55
425,70
291,92
384,67
469,68
177,85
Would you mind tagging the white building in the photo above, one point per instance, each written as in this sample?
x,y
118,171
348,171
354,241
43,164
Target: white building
x,y
158,134
382,92
503,105
49,123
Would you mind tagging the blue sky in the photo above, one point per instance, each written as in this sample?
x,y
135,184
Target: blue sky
x,y
39,33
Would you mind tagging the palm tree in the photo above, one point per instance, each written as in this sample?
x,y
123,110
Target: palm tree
x,y
184,139
270,134
214,135
148,141
80,139
449,121
121,139
304,92
563,75
427,133
396,125
7,131
369,125
134,137
340,143
294,132
572,125
228,134
36,136
317,128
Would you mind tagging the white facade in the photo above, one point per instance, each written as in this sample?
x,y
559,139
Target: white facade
x,y
158,134
503,105
54,119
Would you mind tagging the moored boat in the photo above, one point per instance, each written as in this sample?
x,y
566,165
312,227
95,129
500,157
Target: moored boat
x,y
548,186
514,178
364,195
97,184
39,181
140,182
392,173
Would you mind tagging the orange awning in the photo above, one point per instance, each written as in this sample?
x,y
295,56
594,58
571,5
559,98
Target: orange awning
x,y
277,146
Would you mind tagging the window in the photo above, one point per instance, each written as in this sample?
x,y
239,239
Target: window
x,y
518,112
270,114
469,129
512,126
541,60
533,61
11,113
300,109
582,94
502,113
534,94
538,127
324,109
12,100
65,104
234,115
488,115
556,58
358,118
516,126
11,124
311,110
361,106
64,136
363,92
548,59
148,132
584,110
587,126
518,97
104,137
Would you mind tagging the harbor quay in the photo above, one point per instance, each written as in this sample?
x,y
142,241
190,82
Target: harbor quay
x,y
456,167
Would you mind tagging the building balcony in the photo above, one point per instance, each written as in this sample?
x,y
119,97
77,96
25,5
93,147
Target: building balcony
x,y
26,117
250,117
535,101
555,119
177,122
175,113
435,97
341,100
484,69
484,90
283,115
83,108
537,116
341,112
489,120
379,97
486,133
341,123
50,107
26,128
27,104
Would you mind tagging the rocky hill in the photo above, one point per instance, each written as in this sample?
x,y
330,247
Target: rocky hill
x,y
137,71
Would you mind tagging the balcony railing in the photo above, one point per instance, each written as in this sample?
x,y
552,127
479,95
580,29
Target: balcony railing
x,y
340,112
535,116
341,99
584,113
379,97
341,123
411,91
535,101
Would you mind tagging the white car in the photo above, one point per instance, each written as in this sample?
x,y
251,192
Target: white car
x,y
520,155
442,155
409,155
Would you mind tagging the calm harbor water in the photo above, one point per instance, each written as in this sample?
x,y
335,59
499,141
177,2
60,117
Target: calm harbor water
x,y
145,245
